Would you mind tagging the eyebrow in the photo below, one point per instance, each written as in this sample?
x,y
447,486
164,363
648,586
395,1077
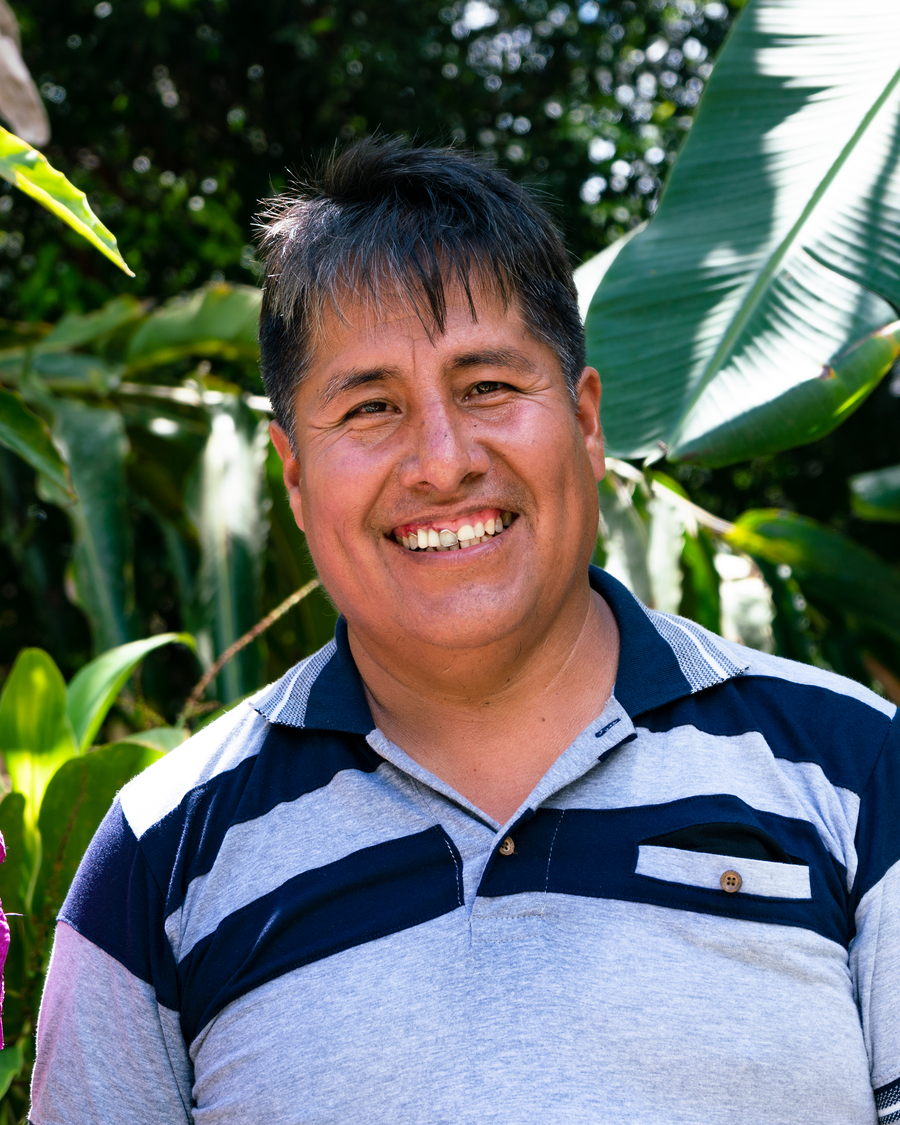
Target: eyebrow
x,y
345,381
352,379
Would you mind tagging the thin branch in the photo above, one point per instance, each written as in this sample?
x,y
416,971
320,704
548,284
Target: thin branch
x,y
232,650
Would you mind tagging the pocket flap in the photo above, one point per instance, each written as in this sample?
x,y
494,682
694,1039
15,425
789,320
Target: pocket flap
x,y
705,869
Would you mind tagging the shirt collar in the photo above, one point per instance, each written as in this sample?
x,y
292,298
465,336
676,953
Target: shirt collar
x,y
661,658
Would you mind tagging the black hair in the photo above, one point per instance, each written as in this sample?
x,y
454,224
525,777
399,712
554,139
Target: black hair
x,y
386,217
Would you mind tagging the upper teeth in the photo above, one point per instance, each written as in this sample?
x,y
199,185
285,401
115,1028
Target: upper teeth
x,y
430,539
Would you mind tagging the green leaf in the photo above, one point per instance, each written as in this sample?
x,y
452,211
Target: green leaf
x,y
700,595
289,558
94,688
25,167
219,320
76,800
64,371
829,567
876,496
163,739
228,507
29,436
13,872
75,330
11,1063
95,446
626,539
722,331
35,733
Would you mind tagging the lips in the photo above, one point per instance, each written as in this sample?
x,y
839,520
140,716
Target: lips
x,y
454,534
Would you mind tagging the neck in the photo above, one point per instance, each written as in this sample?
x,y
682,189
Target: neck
x,y
491,721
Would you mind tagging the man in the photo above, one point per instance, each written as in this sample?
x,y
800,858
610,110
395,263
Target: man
x,y
512,847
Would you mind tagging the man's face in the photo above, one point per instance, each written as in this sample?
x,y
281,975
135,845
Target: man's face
x,y
400,437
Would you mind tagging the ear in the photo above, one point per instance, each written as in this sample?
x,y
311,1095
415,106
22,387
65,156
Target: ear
x,y
290,467
587,413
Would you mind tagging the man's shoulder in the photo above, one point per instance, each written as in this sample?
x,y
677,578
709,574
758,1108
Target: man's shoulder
x,y
779,674
211,753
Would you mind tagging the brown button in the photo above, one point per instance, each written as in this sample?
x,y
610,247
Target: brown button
x,y
731,882
508,846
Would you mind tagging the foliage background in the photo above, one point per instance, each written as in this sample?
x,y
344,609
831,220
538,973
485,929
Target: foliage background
x,y
178,118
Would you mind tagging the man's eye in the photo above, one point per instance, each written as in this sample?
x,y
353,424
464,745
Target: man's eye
x,y
369,408
486,387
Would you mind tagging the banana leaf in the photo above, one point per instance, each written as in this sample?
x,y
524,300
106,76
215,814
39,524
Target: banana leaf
x,y
727,329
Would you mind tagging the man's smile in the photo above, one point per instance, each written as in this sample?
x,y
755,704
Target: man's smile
x,y
444,534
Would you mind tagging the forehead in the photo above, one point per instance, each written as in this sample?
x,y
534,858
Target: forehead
x,y
395,319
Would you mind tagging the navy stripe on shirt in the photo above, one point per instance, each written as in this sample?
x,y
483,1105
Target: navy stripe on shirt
x,y
290,763
594,852
369,894
116,903
800,722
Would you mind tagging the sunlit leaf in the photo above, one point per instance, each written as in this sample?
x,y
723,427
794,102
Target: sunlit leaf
x,y
29,170
162,739
94,688
29,436
12,877
722,331
876,495
76,800
228,507
35,733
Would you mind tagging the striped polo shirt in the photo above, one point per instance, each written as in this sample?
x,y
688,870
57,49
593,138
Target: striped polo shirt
x,y
693,918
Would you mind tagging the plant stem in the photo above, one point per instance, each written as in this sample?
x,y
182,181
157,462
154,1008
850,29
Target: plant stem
x,y
232,650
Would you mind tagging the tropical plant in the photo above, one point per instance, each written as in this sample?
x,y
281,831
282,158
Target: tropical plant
x,y
176,507
61,787
756,311
176,118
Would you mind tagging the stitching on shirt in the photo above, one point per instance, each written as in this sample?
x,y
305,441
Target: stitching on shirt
x,y
550,852
459,889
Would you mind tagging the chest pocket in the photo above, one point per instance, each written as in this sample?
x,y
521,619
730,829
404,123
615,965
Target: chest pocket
x,y
729,857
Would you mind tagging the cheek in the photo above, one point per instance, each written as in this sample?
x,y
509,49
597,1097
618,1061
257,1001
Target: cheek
x,y
340,489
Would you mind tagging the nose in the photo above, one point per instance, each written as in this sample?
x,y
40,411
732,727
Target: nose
x,y
444,450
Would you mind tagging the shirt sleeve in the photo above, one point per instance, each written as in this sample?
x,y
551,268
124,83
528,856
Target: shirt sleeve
x,y
109,1039
875,949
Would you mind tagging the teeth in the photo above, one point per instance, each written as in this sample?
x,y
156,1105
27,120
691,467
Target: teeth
x,y
446,540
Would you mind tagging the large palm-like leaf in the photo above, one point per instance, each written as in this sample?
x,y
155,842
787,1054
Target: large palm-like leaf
x,y
723,330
